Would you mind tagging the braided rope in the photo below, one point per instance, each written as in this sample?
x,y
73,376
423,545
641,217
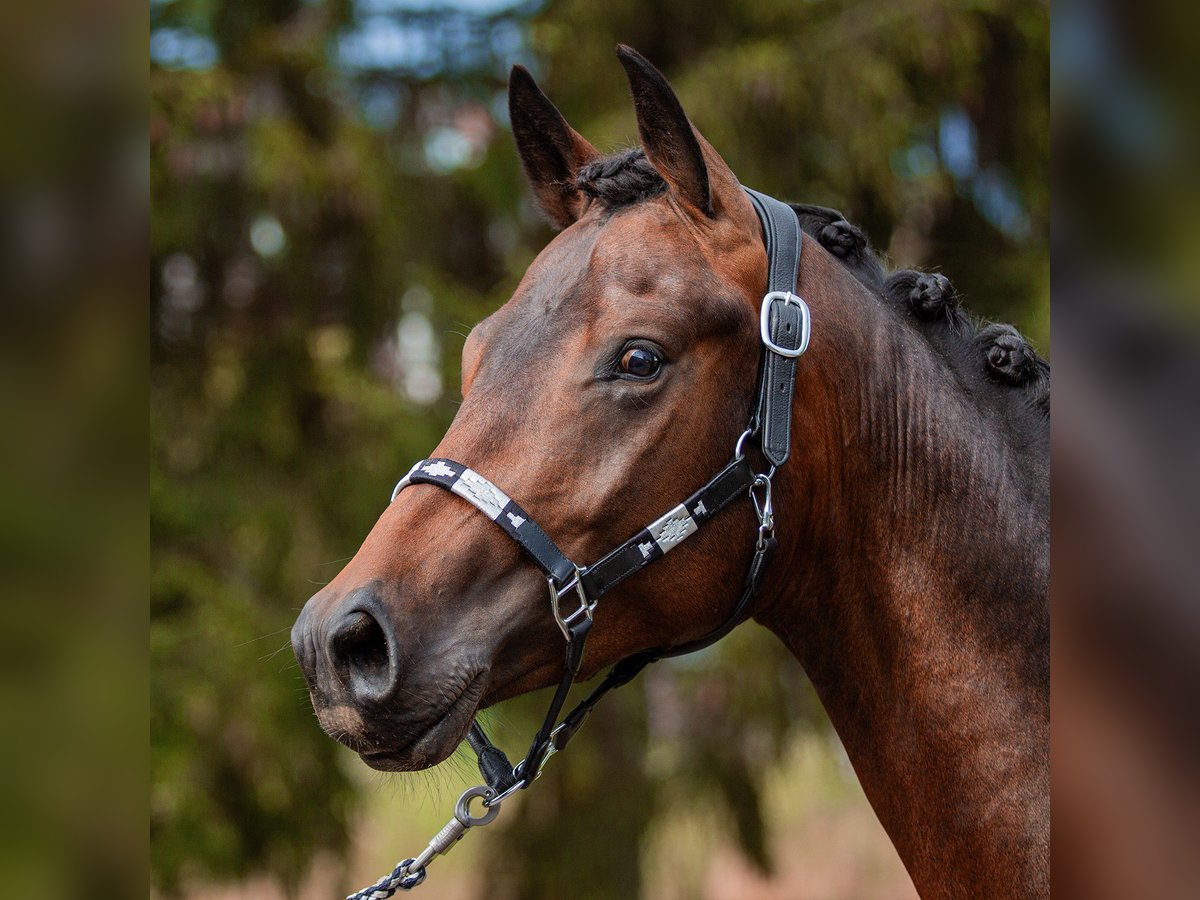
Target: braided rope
x,y
399,879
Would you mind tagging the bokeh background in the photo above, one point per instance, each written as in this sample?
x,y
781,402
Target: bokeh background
x,y
336,200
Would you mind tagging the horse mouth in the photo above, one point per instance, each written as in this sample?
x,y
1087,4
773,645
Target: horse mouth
x,y
432,744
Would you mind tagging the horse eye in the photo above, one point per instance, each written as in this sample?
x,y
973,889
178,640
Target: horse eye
x,y
640,362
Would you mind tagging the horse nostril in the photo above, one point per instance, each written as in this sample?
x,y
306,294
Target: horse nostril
x,y
360,653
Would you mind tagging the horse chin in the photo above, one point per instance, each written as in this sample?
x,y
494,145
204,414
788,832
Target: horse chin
x,y
394,745
434,746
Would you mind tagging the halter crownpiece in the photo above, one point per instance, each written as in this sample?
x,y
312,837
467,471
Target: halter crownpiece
x,y
785,325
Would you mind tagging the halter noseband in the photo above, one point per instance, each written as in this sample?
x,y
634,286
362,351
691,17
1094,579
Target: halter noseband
x,y
785,327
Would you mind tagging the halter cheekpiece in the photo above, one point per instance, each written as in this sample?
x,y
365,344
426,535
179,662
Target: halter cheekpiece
x,y
575,591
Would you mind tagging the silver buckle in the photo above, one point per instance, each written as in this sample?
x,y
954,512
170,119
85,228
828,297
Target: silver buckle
x,y
586,605
764,323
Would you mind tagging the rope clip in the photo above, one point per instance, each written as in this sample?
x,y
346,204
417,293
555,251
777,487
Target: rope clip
x,y
763,508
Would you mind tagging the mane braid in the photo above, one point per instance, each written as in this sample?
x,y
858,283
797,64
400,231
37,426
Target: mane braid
x,y
622,179
996,357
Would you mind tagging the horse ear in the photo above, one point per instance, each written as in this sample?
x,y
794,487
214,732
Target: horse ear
x,y
671,143
551,151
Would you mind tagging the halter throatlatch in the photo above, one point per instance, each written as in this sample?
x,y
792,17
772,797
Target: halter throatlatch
x,y
785,327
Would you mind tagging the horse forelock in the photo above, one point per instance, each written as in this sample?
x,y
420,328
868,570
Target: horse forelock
x,y
621,179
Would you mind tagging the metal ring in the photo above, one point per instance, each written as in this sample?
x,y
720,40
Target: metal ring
x,y
739,449
462,809
518,785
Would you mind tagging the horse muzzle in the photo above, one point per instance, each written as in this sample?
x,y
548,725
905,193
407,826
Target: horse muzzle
x,y
398,710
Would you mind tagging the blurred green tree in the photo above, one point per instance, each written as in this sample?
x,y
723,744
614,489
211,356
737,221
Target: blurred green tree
x,y
336,201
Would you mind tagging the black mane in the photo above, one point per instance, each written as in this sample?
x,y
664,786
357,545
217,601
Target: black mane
x,y
993,356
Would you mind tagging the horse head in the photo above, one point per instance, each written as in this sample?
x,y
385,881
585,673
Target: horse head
x,y
616,380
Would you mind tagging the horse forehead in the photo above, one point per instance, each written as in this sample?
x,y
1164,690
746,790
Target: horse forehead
x,y
647,237
558,273
624,255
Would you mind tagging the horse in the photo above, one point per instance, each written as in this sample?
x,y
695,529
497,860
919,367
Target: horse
x,y
911,573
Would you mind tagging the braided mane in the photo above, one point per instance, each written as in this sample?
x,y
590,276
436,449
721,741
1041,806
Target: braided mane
x,y
992,354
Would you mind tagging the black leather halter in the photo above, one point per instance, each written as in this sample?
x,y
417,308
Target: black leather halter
x,y
784,329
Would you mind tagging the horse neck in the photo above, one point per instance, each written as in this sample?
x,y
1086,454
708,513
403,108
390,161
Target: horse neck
x,y
912,584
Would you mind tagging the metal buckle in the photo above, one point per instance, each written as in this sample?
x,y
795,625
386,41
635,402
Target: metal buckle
x,y
764,323
586,605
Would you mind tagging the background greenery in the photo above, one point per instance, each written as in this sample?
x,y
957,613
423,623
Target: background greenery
x,y
336,199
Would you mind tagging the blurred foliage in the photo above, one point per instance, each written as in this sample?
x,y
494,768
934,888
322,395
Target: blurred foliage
x,y
73,375
336,201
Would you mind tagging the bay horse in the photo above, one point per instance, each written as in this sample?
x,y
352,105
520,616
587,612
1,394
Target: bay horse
x,y
911,574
